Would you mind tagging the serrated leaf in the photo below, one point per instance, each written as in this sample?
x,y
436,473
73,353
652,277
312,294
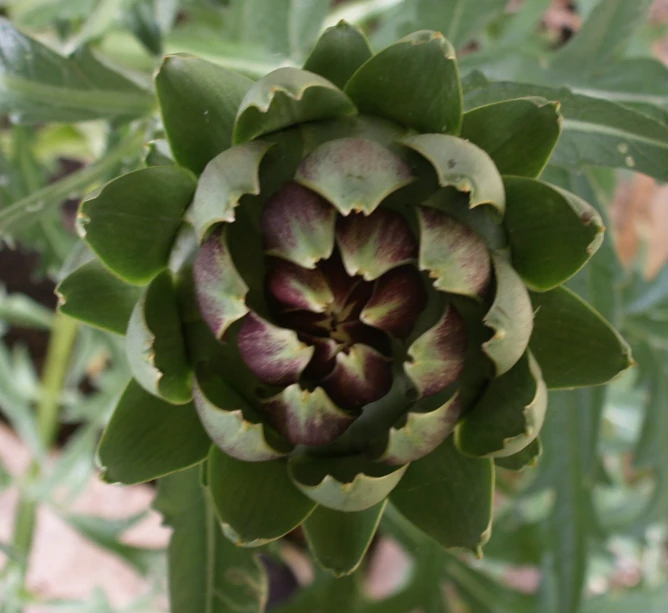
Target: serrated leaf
x,y
230,175
510,318
131,224
94,295
462,165
198,102
573,344
148,438
226,416
207,573
594,131
287,97
448,496
345,483
38,85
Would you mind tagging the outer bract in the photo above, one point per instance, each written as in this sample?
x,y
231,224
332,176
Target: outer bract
x,y
352,296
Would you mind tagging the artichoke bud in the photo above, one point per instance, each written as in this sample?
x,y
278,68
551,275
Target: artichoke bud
x,y
360,277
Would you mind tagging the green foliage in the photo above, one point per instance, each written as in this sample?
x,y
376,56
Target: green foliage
x,y
207,573
598,474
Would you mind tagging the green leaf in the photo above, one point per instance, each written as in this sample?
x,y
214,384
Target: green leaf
x,y
17,402
519,135
459,20
154,343
510,317
594,131
142,22
552,233
288,97
449,497
332,171
149,438
198,38
226,416
517,538
339,540
22,311
421,432
158,153
573,344
232,174
256,23
305,19
645,599
28,210
639,83
327,595
484,594
41,13
38,85
198,102
461,165
650,451
568,461
339,52
106,533
102,17
414,82
345,483
508,416
256,501
95,296
207,573
522,459
601,38
132,222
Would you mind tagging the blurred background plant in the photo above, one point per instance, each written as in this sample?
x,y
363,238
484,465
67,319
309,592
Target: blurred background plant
x,y
586,530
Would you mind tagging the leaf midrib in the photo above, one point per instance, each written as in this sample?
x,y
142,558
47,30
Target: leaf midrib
x,y
95,100
576,125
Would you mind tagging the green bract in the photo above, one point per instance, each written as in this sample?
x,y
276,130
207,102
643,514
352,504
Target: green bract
x,y
349,287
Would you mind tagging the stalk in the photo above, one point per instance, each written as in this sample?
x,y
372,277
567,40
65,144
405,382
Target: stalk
x,y
61,343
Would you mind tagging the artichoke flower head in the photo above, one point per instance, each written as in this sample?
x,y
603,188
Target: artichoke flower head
x,y
338,289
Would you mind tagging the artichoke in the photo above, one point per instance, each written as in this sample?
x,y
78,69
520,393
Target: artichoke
x,y
349,286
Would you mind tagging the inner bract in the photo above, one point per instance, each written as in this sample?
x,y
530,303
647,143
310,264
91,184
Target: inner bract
x,y
346,295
